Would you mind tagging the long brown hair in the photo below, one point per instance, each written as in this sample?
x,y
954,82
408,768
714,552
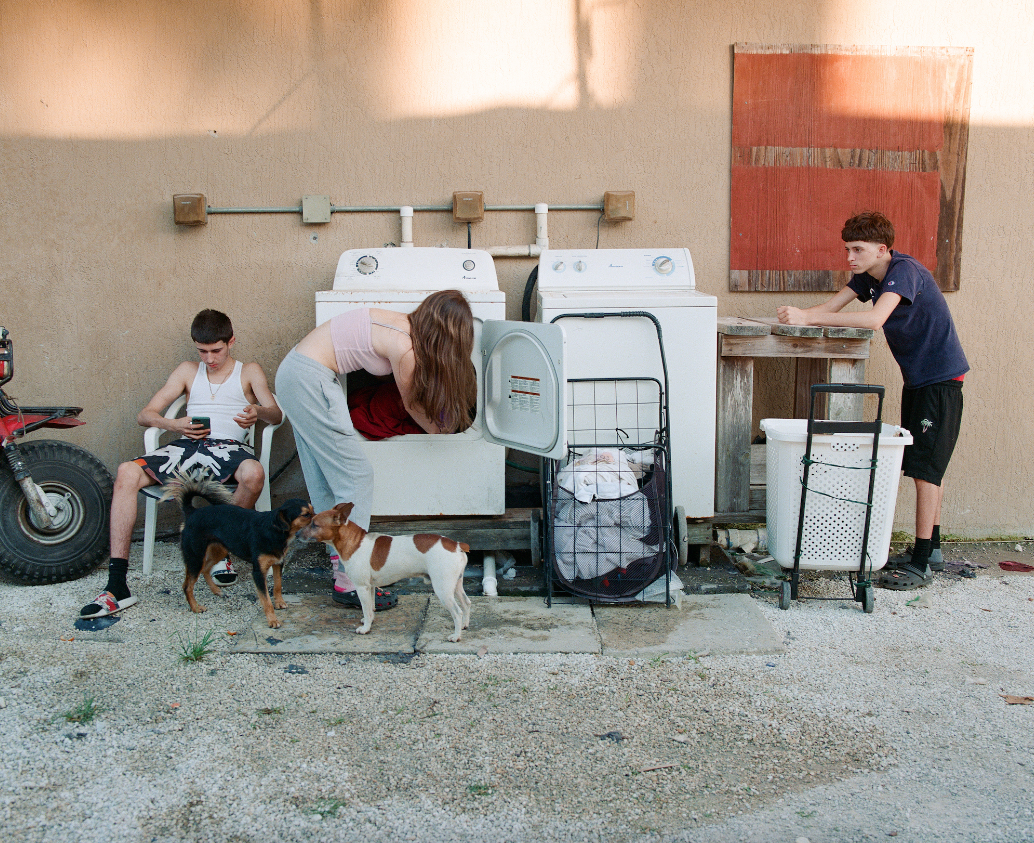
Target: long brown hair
x,y
444,383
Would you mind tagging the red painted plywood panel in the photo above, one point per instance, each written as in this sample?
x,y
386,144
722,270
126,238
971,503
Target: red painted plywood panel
x,y
789,218
840,101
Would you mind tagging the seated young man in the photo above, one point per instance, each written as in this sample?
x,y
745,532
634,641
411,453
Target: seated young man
x,y
234,396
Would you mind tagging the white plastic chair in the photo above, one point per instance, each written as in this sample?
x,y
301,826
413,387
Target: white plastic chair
x,y
151,494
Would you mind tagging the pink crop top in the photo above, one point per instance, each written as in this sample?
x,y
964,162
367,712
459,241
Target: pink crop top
x,y
353,347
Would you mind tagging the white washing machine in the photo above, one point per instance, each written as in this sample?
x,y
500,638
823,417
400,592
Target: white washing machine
x,y
661,282
520,395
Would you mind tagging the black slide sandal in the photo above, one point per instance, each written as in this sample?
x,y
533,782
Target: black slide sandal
x,y
382,599
903,578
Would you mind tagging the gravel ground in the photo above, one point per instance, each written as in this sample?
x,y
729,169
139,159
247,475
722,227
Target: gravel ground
x,y
867,727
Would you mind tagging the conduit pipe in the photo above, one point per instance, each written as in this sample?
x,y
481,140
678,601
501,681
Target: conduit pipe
x,y
406,212
336,209
394,209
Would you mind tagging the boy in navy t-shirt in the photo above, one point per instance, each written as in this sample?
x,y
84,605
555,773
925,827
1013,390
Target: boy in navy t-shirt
x,y
911,309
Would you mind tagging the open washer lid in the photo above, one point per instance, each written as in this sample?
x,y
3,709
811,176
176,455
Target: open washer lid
x,y
524,386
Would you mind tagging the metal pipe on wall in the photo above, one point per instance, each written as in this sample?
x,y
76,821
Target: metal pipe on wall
x,y
406,212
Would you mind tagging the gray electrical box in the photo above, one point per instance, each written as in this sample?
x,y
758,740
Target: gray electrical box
x,y
315,209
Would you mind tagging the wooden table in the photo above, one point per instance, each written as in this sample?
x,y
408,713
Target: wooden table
x,y
823,355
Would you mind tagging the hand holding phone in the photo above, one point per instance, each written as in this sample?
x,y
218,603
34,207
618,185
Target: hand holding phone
x,y
204,421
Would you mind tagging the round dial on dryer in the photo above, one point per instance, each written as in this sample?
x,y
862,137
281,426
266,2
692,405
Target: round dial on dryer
x,y
366,265
468,265
663,265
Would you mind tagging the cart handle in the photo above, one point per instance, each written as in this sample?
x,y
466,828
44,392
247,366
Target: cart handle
x,y
875,389
823,426
626,313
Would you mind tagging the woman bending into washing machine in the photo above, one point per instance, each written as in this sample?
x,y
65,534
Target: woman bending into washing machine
x,y
429,353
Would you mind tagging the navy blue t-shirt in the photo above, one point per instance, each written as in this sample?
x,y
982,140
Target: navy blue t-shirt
x,y
920,330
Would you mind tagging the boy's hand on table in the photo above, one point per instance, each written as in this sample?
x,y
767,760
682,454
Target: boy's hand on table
x,y
791,315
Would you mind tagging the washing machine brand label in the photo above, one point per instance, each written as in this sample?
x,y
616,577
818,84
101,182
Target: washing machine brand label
x,y
525,394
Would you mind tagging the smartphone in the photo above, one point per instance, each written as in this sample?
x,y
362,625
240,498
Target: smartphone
x,y
204,421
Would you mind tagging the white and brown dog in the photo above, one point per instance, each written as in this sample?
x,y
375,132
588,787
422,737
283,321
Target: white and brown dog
x,y
374,560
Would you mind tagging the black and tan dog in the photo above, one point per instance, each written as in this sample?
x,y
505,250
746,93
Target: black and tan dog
x,y
211,532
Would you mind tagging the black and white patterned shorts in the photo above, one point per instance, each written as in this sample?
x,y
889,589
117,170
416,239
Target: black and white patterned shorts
x,y
220,458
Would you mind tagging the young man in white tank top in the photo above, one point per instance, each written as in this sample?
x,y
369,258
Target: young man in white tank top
x,y
234,396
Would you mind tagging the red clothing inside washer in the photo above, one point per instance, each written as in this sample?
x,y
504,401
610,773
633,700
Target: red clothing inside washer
x,y
378,412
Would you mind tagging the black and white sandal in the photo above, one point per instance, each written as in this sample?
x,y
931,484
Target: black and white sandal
x,y
223,573
105,604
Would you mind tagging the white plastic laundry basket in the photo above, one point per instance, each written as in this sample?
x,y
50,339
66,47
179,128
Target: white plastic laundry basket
x,y
838,487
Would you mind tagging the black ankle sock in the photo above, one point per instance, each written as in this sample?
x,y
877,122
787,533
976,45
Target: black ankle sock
x,y
935,539
921,554
117,569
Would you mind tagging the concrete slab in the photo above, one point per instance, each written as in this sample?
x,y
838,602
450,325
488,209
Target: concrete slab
x,y
512,625
314,623
718,624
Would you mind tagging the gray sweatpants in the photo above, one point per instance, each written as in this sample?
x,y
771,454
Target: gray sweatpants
x,y
336,469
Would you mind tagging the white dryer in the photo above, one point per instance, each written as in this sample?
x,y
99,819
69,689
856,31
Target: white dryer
x,y
463,473
661,282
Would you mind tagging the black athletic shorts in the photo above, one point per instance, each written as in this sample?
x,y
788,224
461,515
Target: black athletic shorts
x,y
933,415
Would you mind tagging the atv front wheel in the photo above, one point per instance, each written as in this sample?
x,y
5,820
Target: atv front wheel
x,y
80,487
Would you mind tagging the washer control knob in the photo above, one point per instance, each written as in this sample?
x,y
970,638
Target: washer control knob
x,y
663,265
558,266
468,264
366,265
579,266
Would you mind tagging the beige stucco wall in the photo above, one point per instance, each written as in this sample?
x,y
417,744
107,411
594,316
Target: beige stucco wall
x,y
107,110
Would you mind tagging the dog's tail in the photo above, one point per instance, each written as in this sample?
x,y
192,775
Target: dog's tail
x,y
184,487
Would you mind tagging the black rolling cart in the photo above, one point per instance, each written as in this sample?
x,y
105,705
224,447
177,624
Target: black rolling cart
x,y
837,491
607,507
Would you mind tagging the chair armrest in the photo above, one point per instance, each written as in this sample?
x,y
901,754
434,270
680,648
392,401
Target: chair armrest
x,y
152,435
265,447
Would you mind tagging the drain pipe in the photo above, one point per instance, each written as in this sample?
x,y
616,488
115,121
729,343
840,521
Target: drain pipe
x,y
406,219
515,251
541,231
488,580
507,570
541,238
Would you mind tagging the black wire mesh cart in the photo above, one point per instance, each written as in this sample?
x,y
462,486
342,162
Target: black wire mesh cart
x,y
831,491
607,502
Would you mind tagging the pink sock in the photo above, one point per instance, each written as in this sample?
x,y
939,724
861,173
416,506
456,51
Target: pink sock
x,y
342,582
